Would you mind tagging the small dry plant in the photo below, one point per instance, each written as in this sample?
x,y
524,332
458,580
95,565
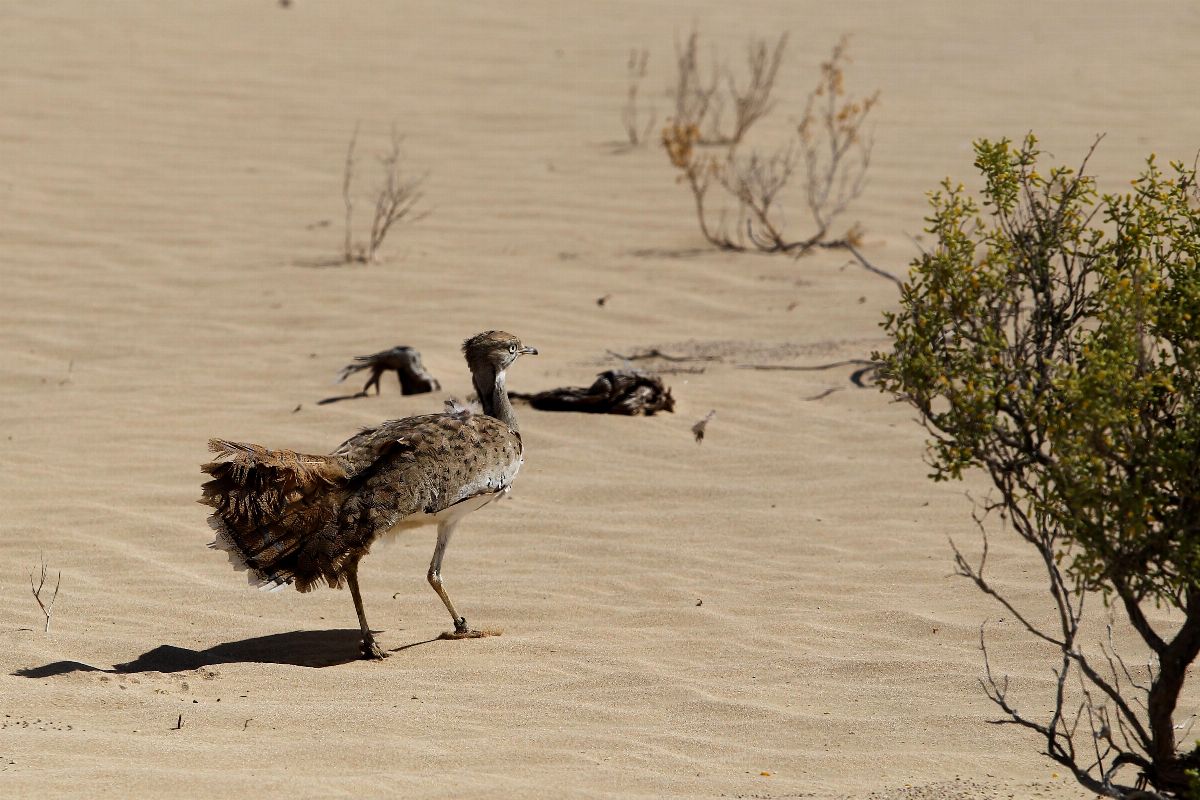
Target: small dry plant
x,y
753,102
636,131
837,151
395,200
699,101
830,142
38,585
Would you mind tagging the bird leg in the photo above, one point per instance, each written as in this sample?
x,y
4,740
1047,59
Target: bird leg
x,y
461,631
369,648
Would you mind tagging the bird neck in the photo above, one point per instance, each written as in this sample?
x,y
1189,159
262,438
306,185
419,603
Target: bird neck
x,y
493,396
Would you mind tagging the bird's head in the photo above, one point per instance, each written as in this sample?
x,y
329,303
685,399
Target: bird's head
x,y
494,350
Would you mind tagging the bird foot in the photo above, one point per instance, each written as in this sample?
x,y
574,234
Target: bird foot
x,y
466,633
461,631
370,650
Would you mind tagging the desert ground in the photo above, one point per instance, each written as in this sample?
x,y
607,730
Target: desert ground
x,y
771,613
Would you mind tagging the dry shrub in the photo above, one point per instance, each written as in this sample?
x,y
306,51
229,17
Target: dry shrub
x,y
830,142
395,200
699,101
636,131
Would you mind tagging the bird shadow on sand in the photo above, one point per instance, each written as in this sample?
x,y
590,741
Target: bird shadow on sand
x,y
315,649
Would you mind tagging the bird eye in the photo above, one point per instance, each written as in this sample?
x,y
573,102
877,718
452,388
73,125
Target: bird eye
x,y
512,348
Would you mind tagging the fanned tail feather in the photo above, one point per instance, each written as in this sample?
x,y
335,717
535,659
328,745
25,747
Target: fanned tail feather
x,y
268,505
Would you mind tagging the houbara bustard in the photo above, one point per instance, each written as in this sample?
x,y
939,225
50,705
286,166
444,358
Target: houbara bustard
x,y
290,518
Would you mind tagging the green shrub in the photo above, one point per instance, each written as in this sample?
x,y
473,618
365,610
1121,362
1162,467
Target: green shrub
x,y
1052,339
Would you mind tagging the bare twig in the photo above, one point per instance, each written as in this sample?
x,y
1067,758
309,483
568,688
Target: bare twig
x,y
36,588
824,394
869,267
395,200
813,368
754,101
656,353
830,143
348,198
836,150
695,97
636,132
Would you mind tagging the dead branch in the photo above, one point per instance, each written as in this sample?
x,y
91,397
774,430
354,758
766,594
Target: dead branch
x,y
858,377
395,200
47,608
755,182
348,198
619,391
813,368
635,131
869,267
404,361
836,150
824,394
754,101
695,97
656,353
680,370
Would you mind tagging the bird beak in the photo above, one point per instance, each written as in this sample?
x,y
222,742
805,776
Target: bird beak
x,y
528,351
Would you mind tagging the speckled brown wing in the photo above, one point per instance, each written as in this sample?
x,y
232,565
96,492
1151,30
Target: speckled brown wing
x,y
406,467
291,518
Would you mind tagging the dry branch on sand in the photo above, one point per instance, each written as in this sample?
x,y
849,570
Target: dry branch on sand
x,y
637,131
615,391
395,200
830,143
37,586
696,96
404,361
699,101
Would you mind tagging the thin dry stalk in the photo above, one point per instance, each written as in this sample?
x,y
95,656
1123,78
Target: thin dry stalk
x,y
635,131
836,149
348,198
754,102
697,171
697,101
756,182
395,200
397,197
36,588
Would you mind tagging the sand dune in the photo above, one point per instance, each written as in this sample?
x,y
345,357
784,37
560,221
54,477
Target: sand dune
x,y
769,614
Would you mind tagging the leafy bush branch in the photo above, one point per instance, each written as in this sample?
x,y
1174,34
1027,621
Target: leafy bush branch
x,y
1052,340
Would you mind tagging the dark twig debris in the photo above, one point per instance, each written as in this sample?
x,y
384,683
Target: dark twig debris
x,y
404,361
615,391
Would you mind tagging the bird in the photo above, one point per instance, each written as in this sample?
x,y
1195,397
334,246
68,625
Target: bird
x,y
406,361
288,518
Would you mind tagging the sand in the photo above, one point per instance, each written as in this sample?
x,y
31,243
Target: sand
x,y
768,614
